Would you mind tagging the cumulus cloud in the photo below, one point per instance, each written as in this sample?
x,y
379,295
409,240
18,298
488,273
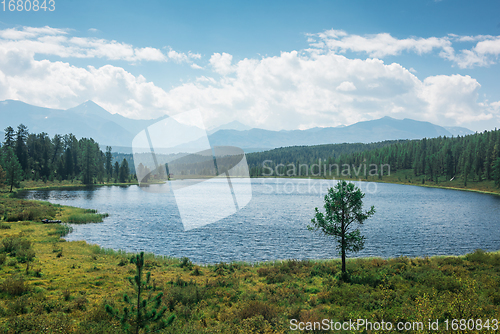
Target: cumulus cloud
x,y
381,45
61,85
221,63
346,86
289,91
59,42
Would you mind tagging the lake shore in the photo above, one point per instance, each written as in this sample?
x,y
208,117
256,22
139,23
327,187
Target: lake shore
x,y
72,281
406,177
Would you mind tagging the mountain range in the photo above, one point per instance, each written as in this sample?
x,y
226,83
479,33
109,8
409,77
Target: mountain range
x,y
92,121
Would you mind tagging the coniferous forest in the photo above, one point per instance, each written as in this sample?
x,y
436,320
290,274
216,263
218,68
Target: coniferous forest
x,y
29,156
471,158
467,158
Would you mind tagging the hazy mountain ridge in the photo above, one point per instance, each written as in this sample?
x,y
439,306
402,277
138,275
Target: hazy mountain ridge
x,y
386,128
92,121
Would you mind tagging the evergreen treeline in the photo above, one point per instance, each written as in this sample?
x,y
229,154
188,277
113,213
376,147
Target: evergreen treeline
x,y
470,158
28,156
309,155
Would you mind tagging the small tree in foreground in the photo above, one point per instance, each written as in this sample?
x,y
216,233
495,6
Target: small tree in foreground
x,y
343,206
143,311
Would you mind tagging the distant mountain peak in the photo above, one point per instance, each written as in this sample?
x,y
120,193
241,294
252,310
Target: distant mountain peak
x,y
234,125
90,103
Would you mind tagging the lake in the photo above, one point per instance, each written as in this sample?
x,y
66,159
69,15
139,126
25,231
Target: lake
x,y
409,221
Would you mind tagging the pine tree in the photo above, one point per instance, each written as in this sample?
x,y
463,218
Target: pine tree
x,y
124,171
343,206
12,168
496,172
116,171
143,312
21,148
109,162
9,137
88,161
68,163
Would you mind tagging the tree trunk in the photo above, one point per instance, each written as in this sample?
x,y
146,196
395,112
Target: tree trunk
x,y
343,243
343,255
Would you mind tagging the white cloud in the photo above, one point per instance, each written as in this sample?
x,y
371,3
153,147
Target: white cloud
x,y
452,99
178,57
221,63
346,86
289,91
490,46
194,55
57,42
30,32
282,92
381,45
149,54
60,85
293,91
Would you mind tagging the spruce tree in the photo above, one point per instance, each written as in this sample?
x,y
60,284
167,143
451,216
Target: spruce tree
x,y
12,168
116,171
9,137
109,162
21,148
496,172
143,314
124,171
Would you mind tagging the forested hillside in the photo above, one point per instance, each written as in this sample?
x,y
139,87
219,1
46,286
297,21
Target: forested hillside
x,y
468,158
29,156
308,154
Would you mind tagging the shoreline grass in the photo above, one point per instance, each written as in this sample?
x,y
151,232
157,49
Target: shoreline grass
x,y
406,177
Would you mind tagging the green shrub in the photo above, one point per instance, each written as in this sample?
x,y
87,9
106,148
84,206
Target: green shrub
x,y
3,257
479,256
66,295
123,262
187,295
12,262
272,275
14,286
15,244
4,226
196,271
255,308
31,213
186,263
37,272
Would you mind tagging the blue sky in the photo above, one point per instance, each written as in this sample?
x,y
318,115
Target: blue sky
x,y
275,65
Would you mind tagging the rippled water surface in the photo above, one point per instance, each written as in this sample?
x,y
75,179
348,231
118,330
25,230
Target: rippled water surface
x,y
410,220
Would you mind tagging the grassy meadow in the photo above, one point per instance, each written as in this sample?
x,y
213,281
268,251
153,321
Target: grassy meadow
x,y
64,286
